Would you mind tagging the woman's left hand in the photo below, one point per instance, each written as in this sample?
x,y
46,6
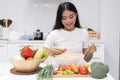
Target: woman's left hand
x,y
89,52
92,48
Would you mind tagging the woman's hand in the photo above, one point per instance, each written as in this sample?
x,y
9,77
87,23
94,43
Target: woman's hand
x,y
92,48
88,52
55,51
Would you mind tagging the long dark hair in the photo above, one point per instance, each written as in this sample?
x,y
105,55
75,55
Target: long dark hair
x,y
61,8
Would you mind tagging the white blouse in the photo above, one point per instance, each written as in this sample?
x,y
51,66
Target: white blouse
x,y
72,41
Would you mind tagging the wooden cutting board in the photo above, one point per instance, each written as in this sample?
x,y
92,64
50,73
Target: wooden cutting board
x,y
14,71
74,75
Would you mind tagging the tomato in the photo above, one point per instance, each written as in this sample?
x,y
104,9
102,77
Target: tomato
x,y
55,72
68,68
83,70
63,68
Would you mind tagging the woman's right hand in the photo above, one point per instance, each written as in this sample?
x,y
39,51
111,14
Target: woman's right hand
x,y
55,51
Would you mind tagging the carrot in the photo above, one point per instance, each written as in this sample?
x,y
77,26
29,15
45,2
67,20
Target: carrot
x,y
74,68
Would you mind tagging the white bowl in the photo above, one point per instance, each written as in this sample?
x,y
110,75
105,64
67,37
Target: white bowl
x,y
69,58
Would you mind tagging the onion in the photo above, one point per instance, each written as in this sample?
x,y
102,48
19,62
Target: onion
x,y
17,58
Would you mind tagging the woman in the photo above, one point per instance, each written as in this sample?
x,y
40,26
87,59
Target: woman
x,y
68,35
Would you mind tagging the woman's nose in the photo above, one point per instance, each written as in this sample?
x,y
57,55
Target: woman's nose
x,y
68,20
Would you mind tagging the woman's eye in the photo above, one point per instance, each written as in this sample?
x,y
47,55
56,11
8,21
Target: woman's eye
x,y
63,18
71,17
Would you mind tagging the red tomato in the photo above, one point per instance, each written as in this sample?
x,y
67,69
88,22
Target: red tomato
x,y
63,68
55,72
83,70
68,68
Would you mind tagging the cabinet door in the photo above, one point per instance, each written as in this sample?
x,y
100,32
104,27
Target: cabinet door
x,y
14,49
99,54
3,53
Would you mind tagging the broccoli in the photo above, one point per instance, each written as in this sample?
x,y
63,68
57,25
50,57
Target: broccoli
x,y
99,70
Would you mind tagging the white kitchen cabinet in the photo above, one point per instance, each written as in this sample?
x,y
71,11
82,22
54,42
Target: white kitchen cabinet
x,y
3,53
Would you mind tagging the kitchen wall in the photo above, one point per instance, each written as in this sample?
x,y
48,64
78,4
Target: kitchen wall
x,y
28,15
110,26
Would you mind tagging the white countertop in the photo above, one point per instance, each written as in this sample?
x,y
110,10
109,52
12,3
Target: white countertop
x,y
5,74
37,41
21,41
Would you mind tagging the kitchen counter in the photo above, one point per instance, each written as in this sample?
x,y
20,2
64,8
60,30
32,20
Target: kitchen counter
x,y
5,74
37,41
21,41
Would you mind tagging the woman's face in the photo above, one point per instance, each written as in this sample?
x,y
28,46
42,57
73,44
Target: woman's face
x,y
68,20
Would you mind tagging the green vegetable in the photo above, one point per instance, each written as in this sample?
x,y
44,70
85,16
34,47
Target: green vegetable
x,y
45,54
89,29
46,73
67,72
99,70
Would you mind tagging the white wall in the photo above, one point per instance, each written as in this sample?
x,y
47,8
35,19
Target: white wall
x,y
29,14
110,23
33,14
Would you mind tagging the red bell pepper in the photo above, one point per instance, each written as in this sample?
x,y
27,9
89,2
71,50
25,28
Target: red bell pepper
x,y
27,52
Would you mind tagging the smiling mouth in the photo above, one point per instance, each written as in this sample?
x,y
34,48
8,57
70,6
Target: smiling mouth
x,y
68,25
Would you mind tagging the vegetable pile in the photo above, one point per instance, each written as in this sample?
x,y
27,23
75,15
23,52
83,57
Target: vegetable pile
x,y
72,69
97,70
30,53
34,52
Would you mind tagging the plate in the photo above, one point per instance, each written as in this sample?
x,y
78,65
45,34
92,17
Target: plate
x,y
14,71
